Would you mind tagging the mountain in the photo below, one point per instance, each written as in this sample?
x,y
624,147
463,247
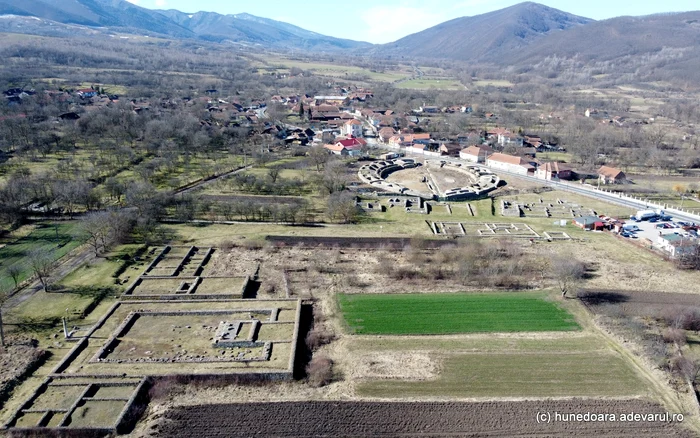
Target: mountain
x,y
125,16
116,14
246,28
486,36
621,36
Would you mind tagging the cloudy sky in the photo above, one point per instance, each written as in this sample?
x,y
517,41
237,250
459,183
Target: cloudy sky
x,y
384,21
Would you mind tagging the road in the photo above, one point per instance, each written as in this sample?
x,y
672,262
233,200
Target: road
x,y
67,264
592,192
613,198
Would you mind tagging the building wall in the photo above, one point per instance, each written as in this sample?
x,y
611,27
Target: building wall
x,y
514,168
471,158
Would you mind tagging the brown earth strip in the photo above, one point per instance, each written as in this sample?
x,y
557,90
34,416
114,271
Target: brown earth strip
x,y
371,419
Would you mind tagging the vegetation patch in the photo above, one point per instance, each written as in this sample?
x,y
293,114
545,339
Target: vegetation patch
x,y
428,314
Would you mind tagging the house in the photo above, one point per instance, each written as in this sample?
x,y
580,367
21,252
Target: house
x,y
510,163
352,142
385,134
677,244
475,154
429,109
87,93
430,149
589,223
553,170
450,149
611,175
353,128
508,139
401,140
351,147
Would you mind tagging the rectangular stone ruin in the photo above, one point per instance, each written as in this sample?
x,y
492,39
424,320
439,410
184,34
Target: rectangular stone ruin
x,y
228,334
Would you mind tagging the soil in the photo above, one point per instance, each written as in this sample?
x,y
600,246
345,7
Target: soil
x,y
638,303
423,419
16,359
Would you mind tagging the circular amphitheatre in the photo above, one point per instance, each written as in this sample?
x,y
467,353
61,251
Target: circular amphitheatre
x,y
437,179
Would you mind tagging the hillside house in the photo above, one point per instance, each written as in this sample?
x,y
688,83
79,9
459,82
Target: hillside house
x,y
611,175
554,170
510,163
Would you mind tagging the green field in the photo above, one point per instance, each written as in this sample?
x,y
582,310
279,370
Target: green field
x,y
56,239
432,314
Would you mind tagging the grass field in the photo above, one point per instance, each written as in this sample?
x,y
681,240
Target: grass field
x,y
426,84
570,368
430,314
56,239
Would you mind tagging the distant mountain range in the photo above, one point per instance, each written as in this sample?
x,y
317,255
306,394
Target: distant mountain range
x,y
521,35
120,15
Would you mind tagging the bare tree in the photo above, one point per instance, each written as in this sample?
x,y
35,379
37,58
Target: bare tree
x,y
568,272
42,263
319,157
15,271
342,207
273,172
94,228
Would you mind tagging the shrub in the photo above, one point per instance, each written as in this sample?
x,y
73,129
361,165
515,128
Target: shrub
x,y
317,338
320,371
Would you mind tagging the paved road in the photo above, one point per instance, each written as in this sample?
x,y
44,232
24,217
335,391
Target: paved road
x,y
613,198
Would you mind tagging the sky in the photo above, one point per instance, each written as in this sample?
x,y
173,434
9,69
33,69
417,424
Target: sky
x,y
385,21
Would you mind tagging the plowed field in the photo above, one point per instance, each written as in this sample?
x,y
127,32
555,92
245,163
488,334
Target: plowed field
x,y
372,419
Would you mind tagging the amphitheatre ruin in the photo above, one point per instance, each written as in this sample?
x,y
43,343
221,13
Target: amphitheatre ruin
x,y
435,180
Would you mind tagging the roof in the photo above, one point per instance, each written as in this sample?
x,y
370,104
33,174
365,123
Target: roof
x,y
325,109
610,172
476,150
555,166
509,159
353,122
350,142
588,220
87,90
334,147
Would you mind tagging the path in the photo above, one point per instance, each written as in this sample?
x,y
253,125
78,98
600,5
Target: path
x,y
66,265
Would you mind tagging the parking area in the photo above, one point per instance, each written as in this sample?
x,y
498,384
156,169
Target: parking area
x,y
648,230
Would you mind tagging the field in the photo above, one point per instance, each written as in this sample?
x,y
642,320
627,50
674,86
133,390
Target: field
x,y
493,83
282,65
364,419
428,84
56,239
452,313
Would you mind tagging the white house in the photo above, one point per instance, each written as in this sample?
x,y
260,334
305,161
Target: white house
x,y
677,245
510,163
475,154
352,128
